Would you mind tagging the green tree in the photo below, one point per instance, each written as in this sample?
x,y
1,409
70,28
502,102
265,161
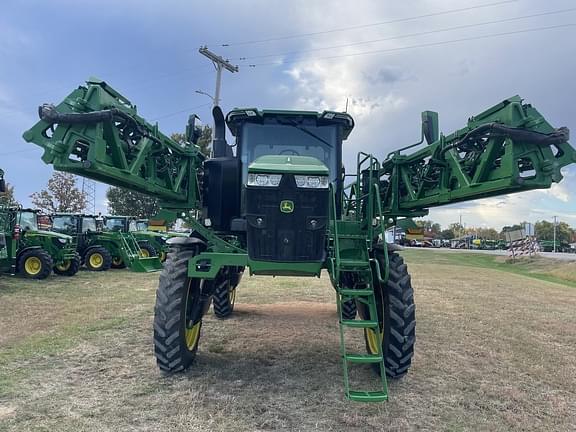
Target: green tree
x,y
488,233
61,195
429,225
457,229
545,231
447,234
7,198
125,202
204,142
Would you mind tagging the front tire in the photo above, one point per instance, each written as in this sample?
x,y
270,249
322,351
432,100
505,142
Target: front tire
x,y
180,304
147,250
35,264
69,267
397,317
98,259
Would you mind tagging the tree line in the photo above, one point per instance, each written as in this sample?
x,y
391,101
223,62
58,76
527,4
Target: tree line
x,y
544,230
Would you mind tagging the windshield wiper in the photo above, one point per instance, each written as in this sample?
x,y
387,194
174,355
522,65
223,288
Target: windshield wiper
x,y
306,131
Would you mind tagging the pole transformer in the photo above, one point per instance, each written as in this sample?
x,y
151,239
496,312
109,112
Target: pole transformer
x,y
219,63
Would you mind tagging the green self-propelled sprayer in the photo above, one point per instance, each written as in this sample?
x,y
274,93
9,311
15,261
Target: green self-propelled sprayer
x,y
281,204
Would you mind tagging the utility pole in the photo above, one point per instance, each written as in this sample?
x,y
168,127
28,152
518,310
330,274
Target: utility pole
x,y
219,63
555,222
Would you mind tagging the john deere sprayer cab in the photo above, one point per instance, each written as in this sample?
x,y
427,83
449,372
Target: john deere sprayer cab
x,y
101,250
282,205
32,252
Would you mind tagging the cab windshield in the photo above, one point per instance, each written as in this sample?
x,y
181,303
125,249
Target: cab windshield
x,y
64,224
89,224
141,226
289,138
113,224
28,221
132,226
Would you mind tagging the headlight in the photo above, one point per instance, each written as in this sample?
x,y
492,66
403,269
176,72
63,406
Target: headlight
x,y
312,182
265,180
62,241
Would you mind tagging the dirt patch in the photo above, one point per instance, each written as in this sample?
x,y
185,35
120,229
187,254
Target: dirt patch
x,y
6,411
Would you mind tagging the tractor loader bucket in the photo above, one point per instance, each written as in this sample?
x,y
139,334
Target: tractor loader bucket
x,y
146,265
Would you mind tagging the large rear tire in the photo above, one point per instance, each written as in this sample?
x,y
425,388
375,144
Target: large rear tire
x,y
69,267
180,304
397,317
349,310
35,264
225,292
224,298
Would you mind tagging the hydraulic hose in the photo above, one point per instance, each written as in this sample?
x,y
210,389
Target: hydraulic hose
x,y
558,136
49,114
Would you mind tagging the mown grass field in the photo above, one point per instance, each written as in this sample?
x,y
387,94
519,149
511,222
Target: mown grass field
x,y
495,351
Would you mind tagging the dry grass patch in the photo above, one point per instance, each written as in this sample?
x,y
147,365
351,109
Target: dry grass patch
x,y
492,353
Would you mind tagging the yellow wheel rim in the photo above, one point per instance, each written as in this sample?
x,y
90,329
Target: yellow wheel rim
x,y
144,253
64,266
96,260
33,265
162,256
117,261
232,296
373,341
192,335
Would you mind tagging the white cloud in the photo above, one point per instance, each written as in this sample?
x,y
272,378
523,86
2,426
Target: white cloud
x,y
386,92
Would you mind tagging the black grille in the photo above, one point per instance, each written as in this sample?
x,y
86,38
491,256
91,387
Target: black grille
x,y
298,236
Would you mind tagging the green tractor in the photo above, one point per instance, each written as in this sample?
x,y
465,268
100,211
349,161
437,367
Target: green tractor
x,y
153,243
31,252
144,231
102,250
128,226
549,246
282,204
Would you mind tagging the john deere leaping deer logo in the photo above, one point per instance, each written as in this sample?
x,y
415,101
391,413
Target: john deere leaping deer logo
x,y
286,206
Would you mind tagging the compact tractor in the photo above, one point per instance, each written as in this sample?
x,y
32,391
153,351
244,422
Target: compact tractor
x,y
157,234
31,252
127,225
278,202
102,249
152,243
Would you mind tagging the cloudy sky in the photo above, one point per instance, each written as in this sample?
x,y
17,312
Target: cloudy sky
x,y
390,59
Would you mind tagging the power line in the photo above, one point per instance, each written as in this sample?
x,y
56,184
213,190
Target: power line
x,y
180,112
446,29
341,29
389,50
140,86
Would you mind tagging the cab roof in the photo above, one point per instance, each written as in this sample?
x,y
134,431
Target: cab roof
x,y
253,115
74,214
